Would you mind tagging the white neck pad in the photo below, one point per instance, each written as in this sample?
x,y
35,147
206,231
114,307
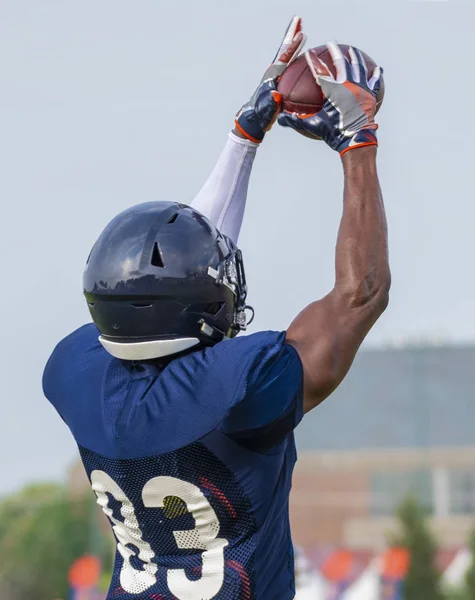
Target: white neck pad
x,y
148,350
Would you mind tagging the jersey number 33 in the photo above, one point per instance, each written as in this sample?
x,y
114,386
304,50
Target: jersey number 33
x,y
204,537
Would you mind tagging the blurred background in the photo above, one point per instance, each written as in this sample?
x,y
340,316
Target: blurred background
x,y
112,103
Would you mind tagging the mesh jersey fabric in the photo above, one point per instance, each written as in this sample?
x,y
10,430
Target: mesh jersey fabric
x,y
191,461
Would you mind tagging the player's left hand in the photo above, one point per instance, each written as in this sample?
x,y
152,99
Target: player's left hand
x,y
259,114
346,120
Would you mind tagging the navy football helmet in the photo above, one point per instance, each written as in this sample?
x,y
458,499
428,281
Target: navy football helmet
x,y
162,279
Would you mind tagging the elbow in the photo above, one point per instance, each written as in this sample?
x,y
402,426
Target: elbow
x,y
384,293
370,295
378,300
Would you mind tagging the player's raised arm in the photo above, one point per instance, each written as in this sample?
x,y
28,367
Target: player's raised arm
x,y
328,333
223,197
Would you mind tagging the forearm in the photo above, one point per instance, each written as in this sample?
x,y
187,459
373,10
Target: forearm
x,y
223,197
362,267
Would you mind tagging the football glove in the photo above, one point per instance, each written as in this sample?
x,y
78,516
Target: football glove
x,y
259,114
346,120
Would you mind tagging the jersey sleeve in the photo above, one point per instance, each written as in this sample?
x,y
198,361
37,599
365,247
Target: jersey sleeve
x,y
66,368
271,405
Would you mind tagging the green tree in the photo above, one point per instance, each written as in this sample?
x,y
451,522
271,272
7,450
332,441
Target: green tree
x,y
423,581
455,595
42,532
470,576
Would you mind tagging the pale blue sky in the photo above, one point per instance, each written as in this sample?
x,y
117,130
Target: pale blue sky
x,y
105,104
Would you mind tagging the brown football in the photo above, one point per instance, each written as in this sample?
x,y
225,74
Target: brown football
x,y
301,92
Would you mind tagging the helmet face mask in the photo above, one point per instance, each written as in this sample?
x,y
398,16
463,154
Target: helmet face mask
x,y
161,279
231,274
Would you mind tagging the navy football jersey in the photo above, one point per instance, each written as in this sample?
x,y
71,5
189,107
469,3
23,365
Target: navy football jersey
x,y
191,462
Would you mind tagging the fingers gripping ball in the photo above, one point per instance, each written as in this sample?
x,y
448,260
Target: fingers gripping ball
x,y
301,93
346,119
258,115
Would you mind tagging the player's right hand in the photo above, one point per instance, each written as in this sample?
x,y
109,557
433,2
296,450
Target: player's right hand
x,y
346,120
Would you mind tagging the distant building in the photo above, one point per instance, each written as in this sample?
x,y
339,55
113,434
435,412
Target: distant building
x,y
403,422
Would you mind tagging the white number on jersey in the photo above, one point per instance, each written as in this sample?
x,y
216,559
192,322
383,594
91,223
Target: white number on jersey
x,y
203,537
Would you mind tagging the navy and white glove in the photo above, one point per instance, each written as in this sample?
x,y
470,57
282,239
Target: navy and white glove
x,y
259,114
346,120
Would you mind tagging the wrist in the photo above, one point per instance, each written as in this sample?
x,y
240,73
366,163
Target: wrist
x,y
362,160
238,133
243,142
241,127
362,139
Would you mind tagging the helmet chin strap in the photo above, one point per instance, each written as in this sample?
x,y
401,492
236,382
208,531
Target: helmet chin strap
x,y
147,350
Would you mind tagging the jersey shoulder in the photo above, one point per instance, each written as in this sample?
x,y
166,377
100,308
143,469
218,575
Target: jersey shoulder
x,y
194,395
233,369
213,379
242,383
71,359
270,402
241,355
264,357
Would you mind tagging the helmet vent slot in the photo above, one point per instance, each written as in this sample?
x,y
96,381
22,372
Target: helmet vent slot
x,y
157,260
213,308
172,219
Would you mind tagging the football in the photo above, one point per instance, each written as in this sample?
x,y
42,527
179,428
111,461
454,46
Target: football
x,y
300,91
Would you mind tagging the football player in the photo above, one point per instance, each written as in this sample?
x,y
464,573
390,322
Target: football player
x,y
184,429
